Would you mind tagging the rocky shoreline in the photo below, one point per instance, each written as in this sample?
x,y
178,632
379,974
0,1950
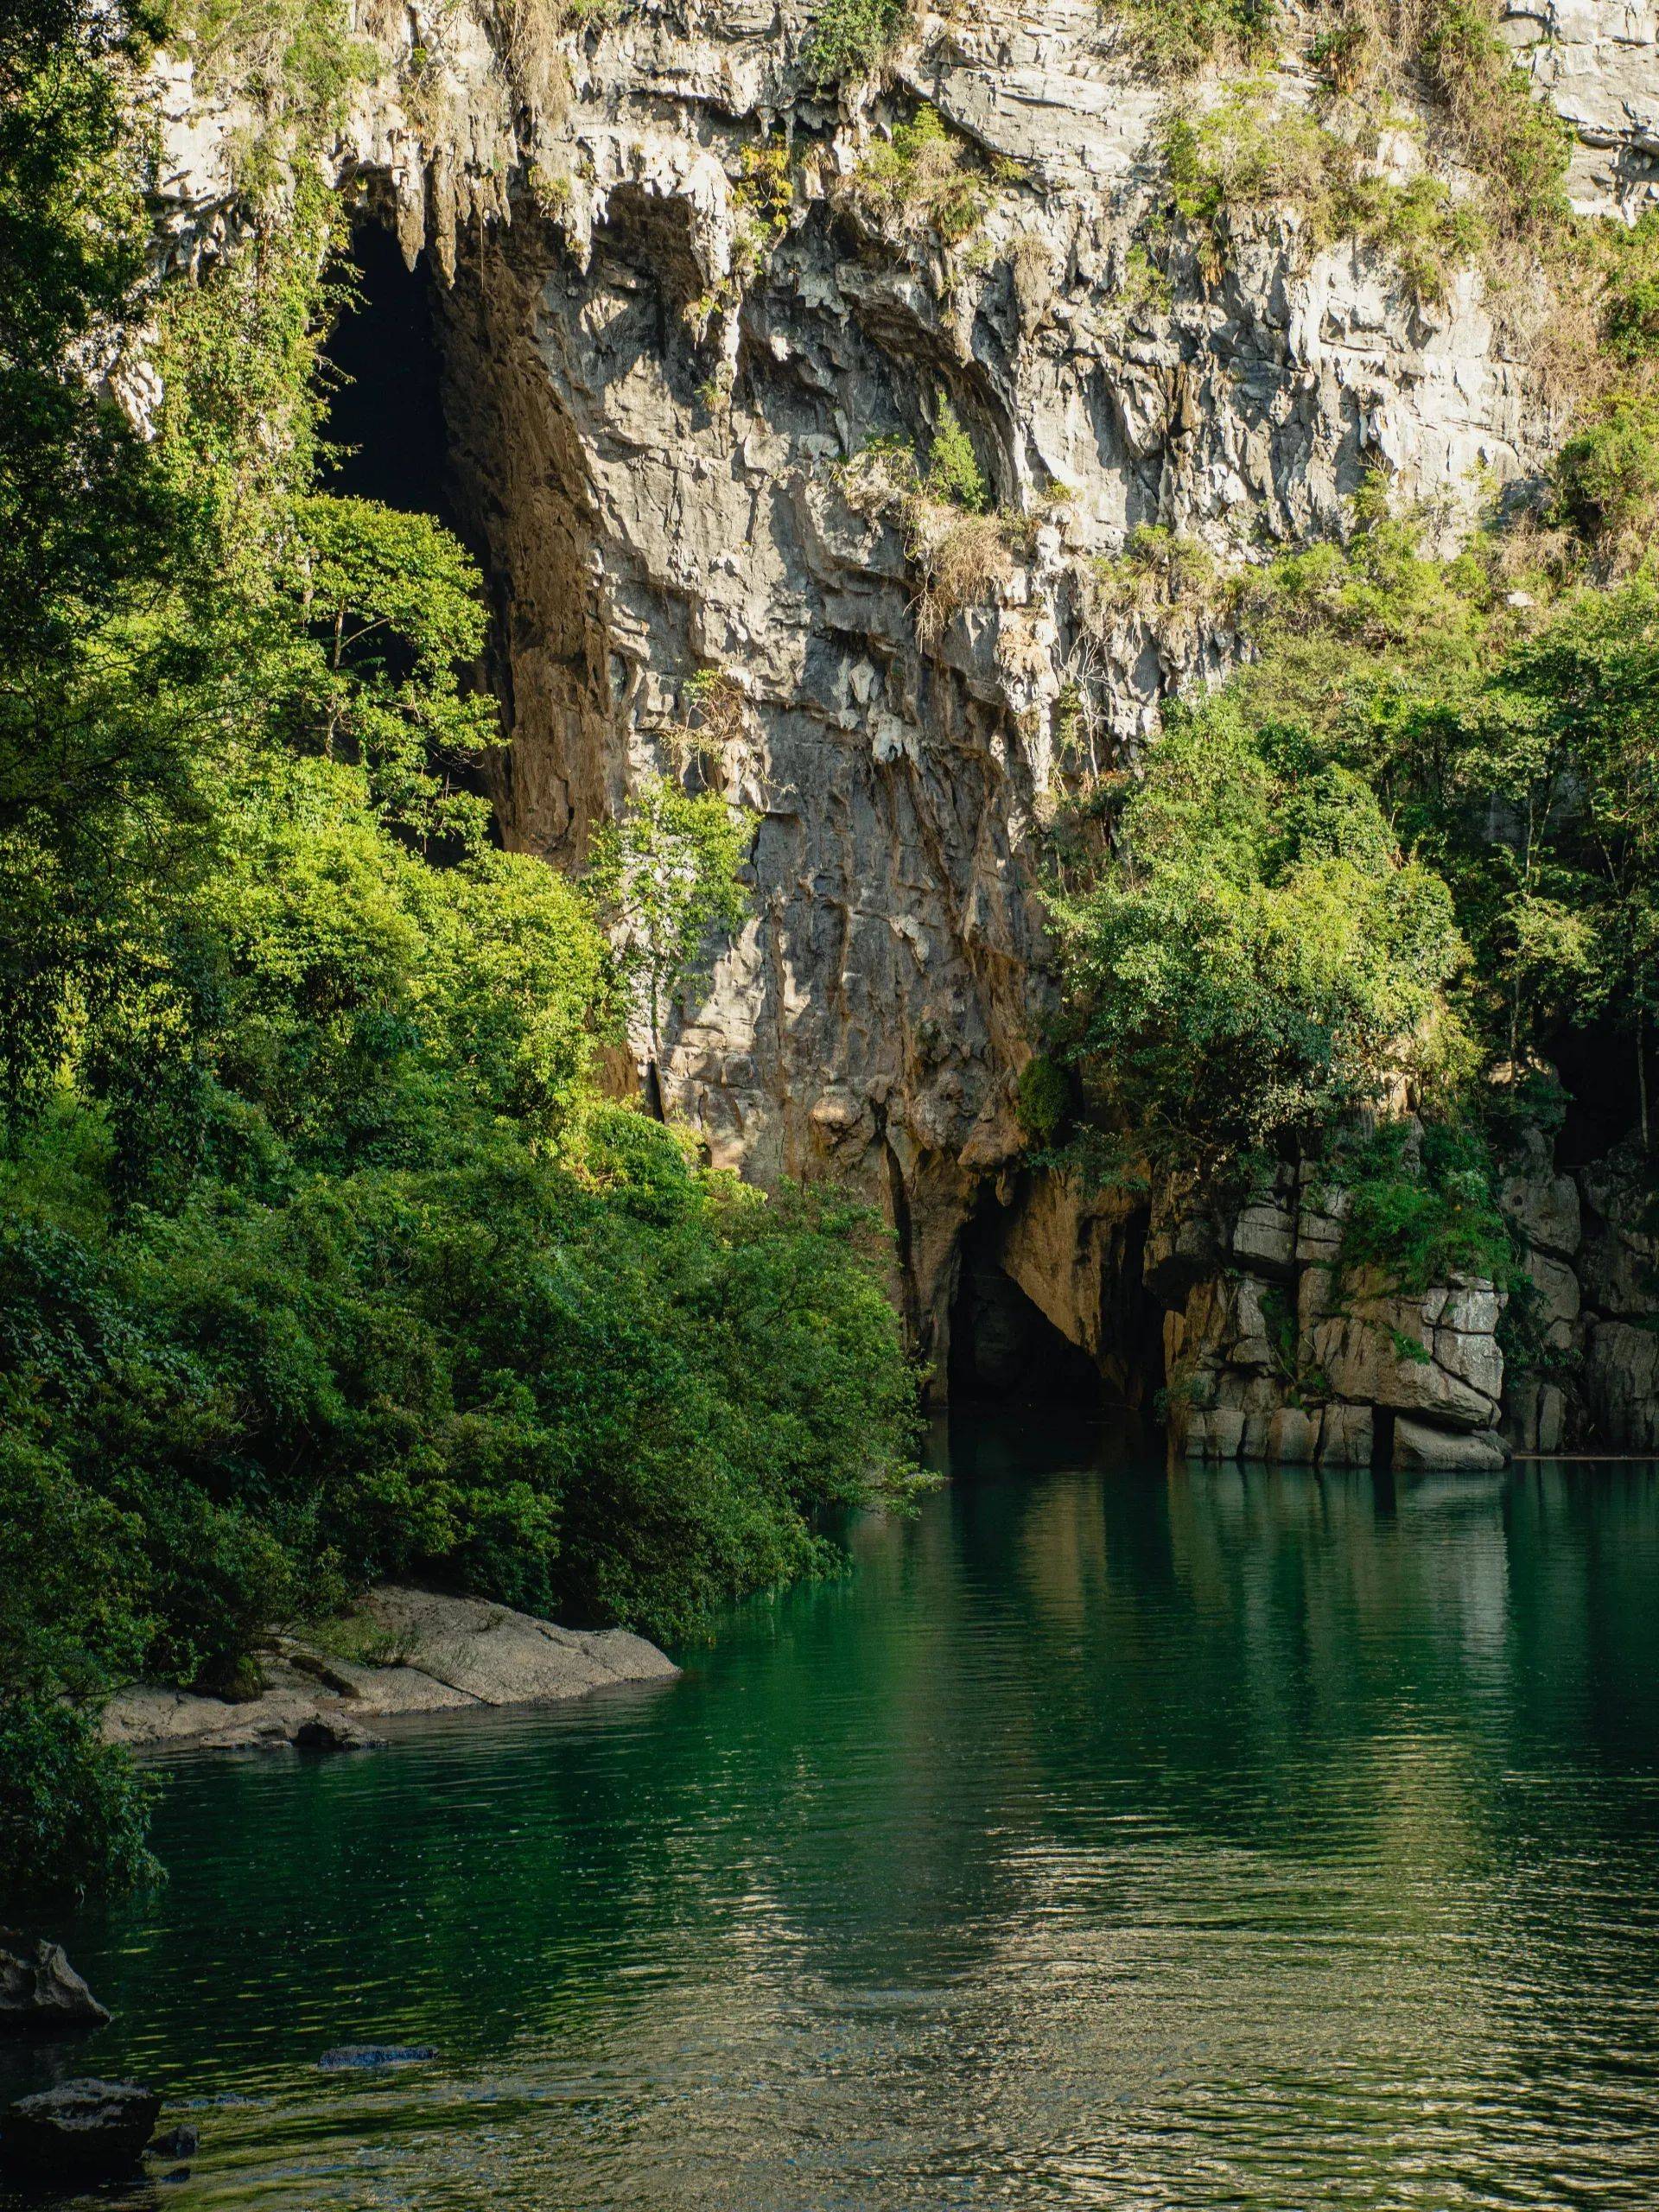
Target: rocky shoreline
x,y
402,1650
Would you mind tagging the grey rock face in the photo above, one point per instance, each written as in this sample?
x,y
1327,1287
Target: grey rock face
x,y
81,2131
41,1995
1419,1444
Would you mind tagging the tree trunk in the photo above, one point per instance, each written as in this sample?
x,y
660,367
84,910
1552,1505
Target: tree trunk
x,y
1641,1073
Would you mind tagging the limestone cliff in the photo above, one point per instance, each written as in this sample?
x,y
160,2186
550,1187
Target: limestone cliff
x,y
661,351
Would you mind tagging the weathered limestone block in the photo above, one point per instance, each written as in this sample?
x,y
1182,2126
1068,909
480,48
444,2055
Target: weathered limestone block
x,y
1075,1254
1619,1267
40,1993
1558,1299
1294,1435
1345,1433
1319,1215
1622,1383
1420,1444
1388,1352
1183,1243
1264,1230
1534,1414
1543,1205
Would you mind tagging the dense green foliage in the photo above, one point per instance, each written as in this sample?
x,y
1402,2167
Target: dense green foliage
x,y
1412,847
1258,956
320,1257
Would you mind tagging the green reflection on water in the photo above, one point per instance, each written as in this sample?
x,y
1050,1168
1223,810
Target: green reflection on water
x,y
1108,1836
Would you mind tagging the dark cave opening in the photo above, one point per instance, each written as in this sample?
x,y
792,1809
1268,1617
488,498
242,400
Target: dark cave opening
x,y
1597,1063
1003,1348
385,418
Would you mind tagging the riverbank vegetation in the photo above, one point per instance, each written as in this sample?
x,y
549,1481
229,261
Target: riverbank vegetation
x,y
322,1256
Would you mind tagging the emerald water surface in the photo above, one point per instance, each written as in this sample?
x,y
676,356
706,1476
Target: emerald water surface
x,y
1109,1837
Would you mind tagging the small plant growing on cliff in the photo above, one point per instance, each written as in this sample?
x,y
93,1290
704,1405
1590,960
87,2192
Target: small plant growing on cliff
x,y
766,186
1607,476
662,880
920,180
1043,1100
953,470
713,715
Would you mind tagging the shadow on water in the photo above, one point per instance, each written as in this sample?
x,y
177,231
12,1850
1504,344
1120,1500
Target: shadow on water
x,y
1108,1834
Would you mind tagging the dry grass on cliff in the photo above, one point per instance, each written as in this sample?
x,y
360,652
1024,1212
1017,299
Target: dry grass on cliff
x,y
962,559
529,34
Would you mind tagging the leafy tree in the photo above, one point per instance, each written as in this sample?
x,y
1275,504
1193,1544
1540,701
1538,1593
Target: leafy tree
x,y
1255,957
662,879
397,605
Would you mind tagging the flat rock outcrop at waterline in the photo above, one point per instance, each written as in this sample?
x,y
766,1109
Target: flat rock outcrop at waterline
x,y
403,1650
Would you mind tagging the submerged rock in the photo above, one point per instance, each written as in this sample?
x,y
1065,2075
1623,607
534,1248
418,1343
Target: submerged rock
x,y
368,2057
40,1993
177,2143
81,2131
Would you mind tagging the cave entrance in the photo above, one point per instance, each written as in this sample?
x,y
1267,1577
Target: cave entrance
x,y
385,416
1004,1349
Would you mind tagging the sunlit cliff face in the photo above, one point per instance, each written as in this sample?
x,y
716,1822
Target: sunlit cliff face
x,y
654,376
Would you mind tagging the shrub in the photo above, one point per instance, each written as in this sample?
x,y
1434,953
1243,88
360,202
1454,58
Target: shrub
x,y
1515,142
1176,38
852,38
919,180
73,1810
1043,1101
1607,476
1250,150
1420,1220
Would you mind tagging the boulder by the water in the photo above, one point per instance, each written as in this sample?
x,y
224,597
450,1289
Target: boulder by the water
x,y
81,2131
40,1993
177,2143
334,1731
369,2055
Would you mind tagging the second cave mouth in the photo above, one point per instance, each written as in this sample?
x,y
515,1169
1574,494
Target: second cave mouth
x,y
1004,1349
385,418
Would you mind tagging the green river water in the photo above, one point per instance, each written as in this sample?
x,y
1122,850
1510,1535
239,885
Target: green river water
x,y
1107,1837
